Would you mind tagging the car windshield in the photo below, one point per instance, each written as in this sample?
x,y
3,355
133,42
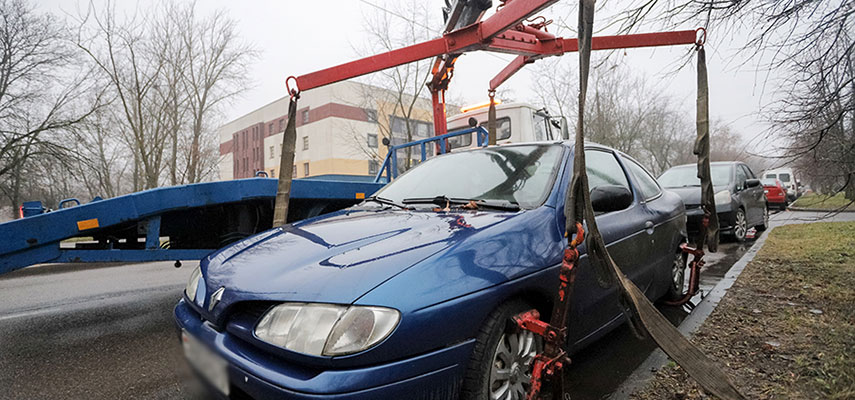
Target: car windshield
x,y
768,182
687,175
521,175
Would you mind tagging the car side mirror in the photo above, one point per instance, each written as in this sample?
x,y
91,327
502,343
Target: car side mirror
x,y
752,183
608,198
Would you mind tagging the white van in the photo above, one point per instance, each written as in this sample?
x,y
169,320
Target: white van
x,y
515,123
788,180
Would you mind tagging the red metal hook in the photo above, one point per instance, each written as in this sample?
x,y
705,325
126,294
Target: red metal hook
x,y
580,236
295,92
703,38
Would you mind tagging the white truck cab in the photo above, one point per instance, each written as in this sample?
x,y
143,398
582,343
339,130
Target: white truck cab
x,y
515,123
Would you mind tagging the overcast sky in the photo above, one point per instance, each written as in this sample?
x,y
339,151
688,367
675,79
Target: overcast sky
x,y
297,37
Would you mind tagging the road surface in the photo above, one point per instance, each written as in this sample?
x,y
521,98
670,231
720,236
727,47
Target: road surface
x,y
105,332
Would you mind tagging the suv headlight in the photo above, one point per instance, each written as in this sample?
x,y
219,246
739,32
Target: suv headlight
x,y
722,198
326,329
193,284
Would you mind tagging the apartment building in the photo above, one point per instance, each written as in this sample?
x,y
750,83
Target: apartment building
x,y
340,129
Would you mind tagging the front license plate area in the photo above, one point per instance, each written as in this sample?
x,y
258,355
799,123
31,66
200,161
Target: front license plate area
x,y
211,366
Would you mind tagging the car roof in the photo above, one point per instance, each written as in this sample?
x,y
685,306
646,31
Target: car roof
x,y
712,163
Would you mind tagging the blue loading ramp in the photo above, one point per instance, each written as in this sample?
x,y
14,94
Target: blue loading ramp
x,y
172,223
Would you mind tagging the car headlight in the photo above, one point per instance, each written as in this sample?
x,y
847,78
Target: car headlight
x,y
722,198
193,284
326,329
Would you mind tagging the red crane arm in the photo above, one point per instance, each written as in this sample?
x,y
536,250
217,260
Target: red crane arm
x,y
472,37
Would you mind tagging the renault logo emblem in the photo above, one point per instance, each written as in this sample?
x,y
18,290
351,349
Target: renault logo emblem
x,y
215,298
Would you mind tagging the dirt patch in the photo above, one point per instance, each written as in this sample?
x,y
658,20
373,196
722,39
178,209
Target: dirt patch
x,y
786,329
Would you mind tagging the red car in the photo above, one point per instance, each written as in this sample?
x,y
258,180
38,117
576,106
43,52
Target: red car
x,y
776,195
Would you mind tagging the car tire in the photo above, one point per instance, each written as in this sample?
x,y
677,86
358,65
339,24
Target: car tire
x,y
678,277
740,225
495,351
765,224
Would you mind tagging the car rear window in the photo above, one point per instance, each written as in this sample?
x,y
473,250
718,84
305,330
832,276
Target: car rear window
x,y
784,177
687,175
769,182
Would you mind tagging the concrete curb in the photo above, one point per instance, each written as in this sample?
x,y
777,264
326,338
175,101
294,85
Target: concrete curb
x,y
818,210
656,360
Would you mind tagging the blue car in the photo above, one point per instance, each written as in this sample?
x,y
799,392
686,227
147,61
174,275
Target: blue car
x,y
409,294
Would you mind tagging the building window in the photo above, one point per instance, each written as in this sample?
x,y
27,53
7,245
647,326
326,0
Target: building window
x,y
371,115
305,143
305,169
399,125
281,124
373,166
306,116
272,173
293,171
270,129
372,140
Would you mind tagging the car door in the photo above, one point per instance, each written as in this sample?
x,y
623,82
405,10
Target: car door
x,y
658,240
756,197
742,195
622,230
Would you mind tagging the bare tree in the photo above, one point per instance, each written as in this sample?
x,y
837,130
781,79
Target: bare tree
x,y
811,44
42,91
171,71
122,51
625,112
214,75
400,106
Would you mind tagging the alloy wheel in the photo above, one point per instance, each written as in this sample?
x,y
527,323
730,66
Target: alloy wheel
x,y
741,226
678,273
510,374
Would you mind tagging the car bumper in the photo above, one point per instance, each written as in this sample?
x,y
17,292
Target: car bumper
x,y
695,215
254,373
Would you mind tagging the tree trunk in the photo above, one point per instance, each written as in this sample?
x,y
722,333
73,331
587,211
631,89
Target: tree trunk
x,y
849,190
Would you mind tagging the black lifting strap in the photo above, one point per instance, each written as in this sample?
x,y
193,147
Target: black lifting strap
x,y
491,119
709,229
286,164
578,207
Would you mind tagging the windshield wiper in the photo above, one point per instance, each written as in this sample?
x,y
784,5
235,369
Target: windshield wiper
x,y
443,201
385,201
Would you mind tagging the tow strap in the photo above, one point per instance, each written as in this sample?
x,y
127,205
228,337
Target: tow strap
x,y
491,119
641,313
286,161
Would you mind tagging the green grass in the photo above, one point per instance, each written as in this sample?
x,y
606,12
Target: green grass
x,y
824,202
797,293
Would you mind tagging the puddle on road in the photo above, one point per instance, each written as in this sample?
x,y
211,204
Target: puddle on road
x,y
599,369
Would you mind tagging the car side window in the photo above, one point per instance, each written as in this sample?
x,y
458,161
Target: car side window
x,y
646,184
604,169
748,172
740,178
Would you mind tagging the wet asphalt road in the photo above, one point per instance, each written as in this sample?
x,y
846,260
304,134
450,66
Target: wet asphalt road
x,y
106,332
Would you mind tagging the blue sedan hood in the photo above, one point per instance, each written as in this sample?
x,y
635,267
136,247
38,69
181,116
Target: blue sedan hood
x,y
337,258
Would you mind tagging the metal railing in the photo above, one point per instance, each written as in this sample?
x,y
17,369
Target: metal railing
x,y
390,163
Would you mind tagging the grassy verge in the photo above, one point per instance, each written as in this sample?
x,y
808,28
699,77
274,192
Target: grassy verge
x,y
786,329
824,202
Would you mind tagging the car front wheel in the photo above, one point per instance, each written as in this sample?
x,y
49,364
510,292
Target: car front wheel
x,y
500,367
